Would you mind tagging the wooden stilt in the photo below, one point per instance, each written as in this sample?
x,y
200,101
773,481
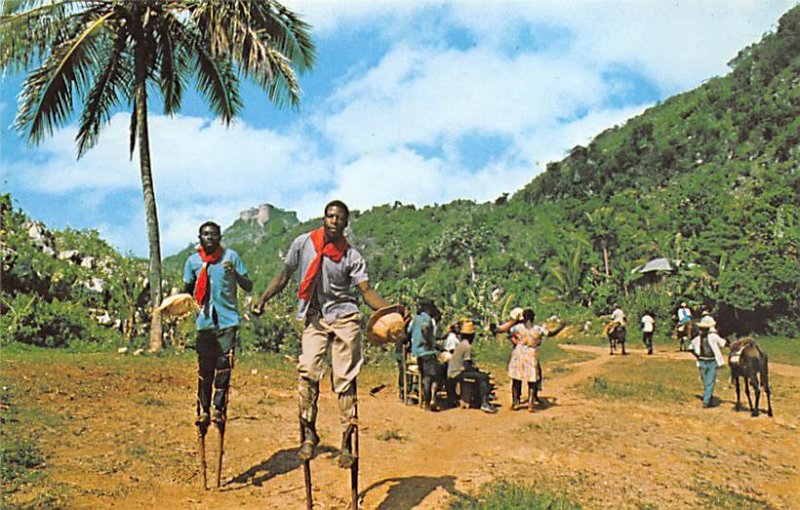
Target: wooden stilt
x,y
220,451
354,449
201,450
306,471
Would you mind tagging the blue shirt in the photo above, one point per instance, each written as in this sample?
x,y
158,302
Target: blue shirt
x,y
222,300
423,332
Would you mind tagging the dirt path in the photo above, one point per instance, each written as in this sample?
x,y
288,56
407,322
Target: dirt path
x,y
774,368
119,451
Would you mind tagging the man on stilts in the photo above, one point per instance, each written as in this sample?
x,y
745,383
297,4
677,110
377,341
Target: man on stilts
x,y
328,269
212,275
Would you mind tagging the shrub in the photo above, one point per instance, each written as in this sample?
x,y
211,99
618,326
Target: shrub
x,y
33,321
511,496
275,331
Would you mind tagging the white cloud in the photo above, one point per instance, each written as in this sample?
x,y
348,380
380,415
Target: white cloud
x,y
531,73
678,44
201,171
418,95
405,176
331,16
550,141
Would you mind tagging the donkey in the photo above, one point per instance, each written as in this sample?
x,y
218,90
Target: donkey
x,y
749,361
615,333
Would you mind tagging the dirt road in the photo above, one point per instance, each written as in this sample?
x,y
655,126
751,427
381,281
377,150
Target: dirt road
x,y
116,442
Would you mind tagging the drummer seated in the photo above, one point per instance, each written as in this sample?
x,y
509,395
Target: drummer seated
x,y
461,367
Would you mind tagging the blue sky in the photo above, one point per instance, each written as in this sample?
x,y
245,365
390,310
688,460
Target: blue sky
x,y
418,101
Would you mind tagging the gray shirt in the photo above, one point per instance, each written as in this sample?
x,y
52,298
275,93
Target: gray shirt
x,y
333,288
462,354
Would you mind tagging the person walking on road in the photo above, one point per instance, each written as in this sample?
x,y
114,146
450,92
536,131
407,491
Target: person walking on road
x,y
648,328
706,347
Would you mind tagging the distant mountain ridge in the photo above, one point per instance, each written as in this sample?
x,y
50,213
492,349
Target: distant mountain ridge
x,y
253,226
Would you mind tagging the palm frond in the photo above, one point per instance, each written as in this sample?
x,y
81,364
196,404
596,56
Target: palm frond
x,y
29,29
172,62
283,87
218,84
47,96
290,34
114,79
268,42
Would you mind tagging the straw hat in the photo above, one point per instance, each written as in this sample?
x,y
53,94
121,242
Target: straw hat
x,y
467,327
707,322
386,324
516,313
178,305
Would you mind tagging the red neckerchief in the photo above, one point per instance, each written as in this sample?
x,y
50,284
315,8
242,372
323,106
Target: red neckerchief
x,y
334,251
201,287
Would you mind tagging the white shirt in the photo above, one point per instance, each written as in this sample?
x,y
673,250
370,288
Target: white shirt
x,y
450,342
715,341
618,315
648,323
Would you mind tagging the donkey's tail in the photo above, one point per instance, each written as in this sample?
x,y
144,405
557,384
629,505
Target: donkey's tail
x,y
765,375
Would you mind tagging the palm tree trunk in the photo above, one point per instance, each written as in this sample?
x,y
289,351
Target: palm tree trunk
x,y
605,258
472,275
151,216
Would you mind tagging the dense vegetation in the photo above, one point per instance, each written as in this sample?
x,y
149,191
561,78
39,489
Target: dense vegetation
x,y
708,180
65,286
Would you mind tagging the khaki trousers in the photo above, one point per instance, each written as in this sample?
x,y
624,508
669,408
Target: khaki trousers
x,y
343,336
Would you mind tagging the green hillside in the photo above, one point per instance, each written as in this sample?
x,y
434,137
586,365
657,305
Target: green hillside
x,y
65,287
708,178
243,232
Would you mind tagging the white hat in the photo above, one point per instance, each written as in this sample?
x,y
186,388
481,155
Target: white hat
x,y
707,322
178,305
516,313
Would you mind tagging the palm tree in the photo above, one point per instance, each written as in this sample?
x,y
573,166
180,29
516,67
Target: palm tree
x,y
600,225
106,53
566,275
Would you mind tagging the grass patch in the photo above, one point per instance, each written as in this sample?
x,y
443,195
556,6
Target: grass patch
x,y
781,349
719,497
600,387
644,379
21,460
149,400
390,435
137,451
512,496
492,351
533,426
